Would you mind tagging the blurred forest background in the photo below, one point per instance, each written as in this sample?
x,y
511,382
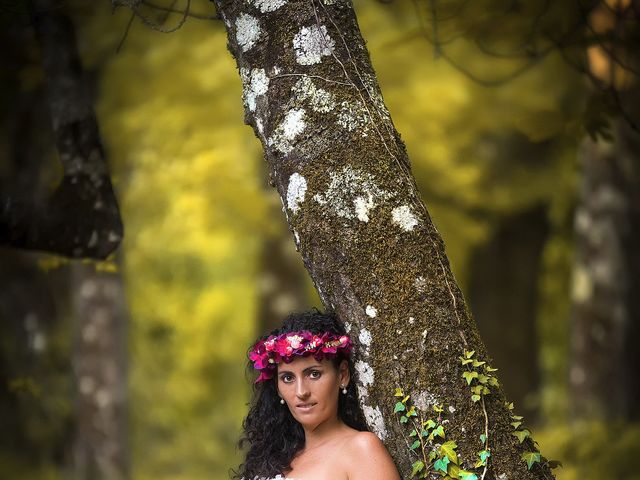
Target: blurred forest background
x,y
499,106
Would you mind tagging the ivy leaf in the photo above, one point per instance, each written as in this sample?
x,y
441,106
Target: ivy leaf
x,y
441,464
429,424
413,433
469,354
432,455
424,433
531,458
404,400
475,398
487,368
482,378
415,445
399,407
466,475
485,391
493,381
521,434
438,408
438,431
483,438
517,417
412,412
403,419
509,405
465,361
399,393
484,455
477,363
449,449
516,424
417,467
469,376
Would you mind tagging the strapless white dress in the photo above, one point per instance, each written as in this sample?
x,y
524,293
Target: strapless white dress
x,y
277,477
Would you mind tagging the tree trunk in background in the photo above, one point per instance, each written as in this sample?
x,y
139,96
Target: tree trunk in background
x,y
604,360
34,414
282,283
100,450
503,297
81,217
282,286
364,234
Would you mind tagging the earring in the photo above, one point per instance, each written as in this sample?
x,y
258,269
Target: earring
x,y
282,401
344,389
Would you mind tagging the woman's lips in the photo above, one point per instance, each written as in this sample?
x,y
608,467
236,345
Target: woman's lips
x,y
305,407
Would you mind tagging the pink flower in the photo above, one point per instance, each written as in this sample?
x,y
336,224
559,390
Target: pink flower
x,y
294,341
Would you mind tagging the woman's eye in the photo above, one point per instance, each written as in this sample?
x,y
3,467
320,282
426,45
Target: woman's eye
x,y
314,374
287,378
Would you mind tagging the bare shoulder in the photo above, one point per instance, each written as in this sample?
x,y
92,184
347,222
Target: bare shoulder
x,y
378,465
364,442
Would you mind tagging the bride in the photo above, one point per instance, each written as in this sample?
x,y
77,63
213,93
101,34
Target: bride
x,y
304,422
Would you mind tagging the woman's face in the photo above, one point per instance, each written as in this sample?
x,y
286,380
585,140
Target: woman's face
x,y
310,389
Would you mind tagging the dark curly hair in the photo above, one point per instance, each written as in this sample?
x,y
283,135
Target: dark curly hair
x,y
271,433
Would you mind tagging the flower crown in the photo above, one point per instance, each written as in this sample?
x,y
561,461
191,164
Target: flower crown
x,y
267,353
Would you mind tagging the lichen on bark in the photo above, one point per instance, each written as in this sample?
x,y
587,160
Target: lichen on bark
x,y
363,232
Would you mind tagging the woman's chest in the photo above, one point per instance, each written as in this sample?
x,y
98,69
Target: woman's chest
x,y
327,464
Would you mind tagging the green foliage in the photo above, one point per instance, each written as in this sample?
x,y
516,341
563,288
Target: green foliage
x,y
531,458
482,377
593,450
435,453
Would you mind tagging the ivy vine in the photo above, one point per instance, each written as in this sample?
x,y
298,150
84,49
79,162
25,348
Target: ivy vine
x,y
434,452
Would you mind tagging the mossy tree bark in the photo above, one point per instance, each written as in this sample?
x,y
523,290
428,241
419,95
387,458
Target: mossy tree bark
x,y
365,236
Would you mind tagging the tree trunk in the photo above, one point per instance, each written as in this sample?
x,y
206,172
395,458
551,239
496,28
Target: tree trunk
x,y
81,218
282,288
503,297
100,450
605,358
605,326
364,234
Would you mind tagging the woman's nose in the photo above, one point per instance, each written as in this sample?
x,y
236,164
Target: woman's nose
x,y
301,388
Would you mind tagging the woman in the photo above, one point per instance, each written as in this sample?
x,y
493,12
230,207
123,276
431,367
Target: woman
x,y
304,422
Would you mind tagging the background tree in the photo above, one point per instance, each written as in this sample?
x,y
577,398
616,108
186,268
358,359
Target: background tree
x,y
80,218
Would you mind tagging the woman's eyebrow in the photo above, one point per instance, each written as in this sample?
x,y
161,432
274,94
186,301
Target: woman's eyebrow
x,y
303,371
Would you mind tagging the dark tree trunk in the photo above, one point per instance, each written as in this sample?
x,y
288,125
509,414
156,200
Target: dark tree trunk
x,y
503,295
604,360
364,234
100,450
81,218
34,419
282,287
